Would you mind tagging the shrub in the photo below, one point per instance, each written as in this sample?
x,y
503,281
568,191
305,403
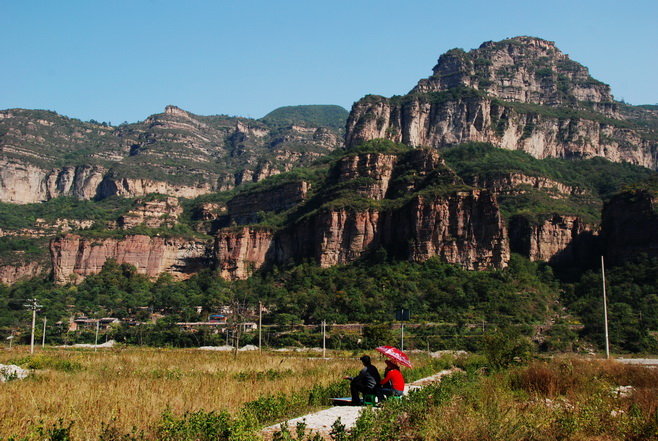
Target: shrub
x,y
506,347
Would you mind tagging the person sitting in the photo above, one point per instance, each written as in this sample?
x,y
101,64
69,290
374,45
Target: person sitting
x,y
393,382
367,382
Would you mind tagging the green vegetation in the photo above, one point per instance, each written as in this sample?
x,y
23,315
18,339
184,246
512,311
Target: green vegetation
x,y
25,216
438,98
594,180
367,291
564,113
560,400
13,249
632,304
311,115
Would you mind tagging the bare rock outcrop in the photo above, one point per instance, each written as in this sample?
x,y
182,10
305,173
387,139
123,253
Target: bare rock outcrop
x,y
373,169
129,187
422,120
17,271
459,225
518,94
152,213
240,252
559,239
75,257
520,69
244,208
515,183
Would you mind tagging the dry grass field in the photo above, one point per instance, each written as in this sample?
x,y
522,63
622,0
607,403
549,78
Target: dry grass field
x,y
133,386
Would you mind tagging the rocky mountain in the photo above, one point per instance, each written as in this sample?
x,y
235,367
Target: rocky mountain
x,y
471,207
44,155
519,94
422,175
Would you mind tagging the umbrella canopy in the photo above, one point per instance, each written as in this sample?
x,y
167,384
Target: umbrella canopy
x,y
395,355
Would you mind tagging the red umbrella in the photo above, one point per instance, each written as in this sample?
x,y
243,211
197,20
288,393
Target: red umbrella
x,y
395,355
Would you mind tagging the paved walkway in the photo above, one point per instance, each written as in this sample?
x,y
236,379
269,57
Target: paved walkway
x,y
651,362
322,421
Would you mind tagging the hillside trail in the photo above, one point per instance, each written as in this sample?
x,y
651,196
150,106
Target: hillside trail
x,y
321,421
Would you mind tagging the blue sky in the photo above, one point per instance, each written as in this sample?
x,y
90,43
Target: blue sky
x,y
124,60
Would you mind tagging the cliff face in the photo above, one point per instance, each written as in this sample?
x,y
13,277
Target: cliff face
x,y
465,228
518,94
559,240
513,182
24,183
74,257
13,273
374,170
462,227
629,226
241,252
521,69
44,155
244,208
420,122
153,214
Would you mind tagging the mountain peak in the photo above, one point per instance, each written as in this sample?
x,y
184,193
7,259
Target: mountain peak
x,y
520,69
175,111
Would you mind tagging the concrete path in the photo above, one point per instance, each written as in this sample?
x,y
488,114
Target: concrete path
x,y
322,421
650,362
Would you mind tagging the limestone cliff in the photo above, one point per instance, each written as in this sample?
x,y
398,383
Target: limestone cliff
x,y
17,271
44,155
75,257
240,252
515,182
521,69
459,225
559,240
159,212
244,208
519,94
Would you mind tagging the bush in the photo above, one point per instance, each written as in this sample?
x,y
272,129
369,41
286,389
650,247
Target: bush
x,y
204,426
506,347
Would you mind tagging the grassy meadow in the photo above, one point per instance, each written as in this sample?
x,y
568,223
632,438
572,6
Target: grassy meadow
x,y
564,399
132,387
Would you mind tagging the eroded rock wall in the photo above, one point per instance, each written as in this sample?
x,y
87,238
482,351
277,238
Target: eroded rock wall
x,y
75,257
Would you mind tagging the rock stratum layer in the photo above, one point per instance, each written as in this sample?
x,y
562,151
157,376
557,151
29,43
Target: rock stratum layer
x,y
44,155
463,227
75,257
378,198
518,94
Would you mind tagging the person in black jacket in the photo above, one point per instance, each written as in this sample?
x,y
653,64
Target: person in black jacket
x,y
367,382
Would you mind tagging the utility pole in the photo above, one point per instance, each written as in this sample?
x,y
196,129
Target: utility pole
x,y
324,339
98,325
43,337
605,311
33,305
260,326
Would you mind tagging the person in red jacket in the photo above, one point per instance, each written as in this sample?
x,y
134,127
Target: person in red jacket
x,y
393,381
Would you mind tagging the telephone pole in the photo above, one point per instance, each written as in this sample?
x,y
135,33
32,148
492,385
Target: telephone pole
x,y
605,311
260,326
34,306
98,325
43,337
324,339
